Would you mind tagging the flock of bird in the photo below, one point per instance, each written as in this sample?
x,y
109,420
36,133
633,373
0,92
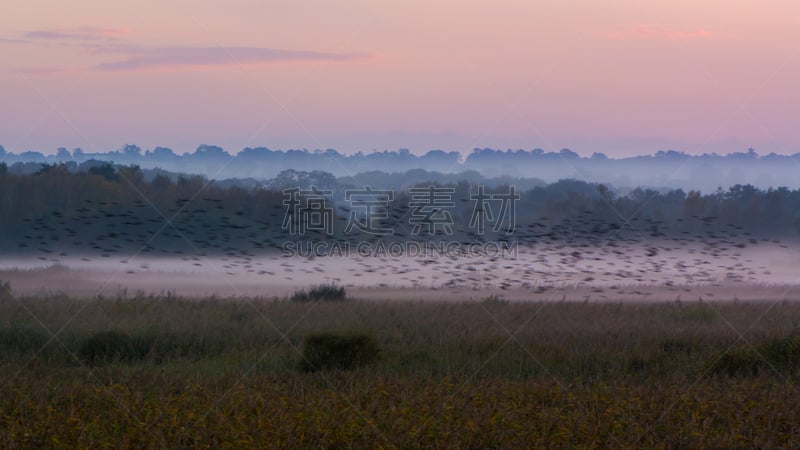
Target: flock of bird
x,y
202,235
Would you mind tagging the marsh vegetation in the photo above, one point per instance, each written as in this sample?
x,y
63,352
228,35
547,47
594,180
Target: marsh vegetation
x,y
173,372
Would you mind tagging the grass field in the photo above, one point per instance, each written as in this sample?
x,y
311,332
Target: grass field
x,y
228,373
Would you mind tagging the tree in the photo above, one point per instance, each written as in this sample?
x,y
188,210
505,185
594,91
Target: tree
x,y
132,174
63,154
567,153
132,151
106,171
211,151
694,205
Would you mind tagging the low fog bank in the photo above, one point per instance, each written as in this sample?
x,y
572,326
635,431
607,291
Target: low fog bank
x,y
652,270
664,169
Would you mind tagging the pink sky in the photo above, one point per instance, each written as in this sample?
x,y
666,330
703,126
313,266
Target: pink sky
x,y
623,77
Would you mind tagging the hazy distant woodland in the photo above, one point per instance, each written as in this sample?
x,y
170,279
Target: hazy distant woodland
x,y
662,169
104,207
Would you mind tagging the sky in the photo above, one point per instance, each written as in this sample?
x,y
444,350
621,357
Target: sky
x,y
620,77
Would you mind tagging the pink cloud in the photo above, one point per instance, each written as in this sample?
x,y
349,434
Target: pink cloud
x,y
139,59
81,33
50,70
649,31
106,41
14,41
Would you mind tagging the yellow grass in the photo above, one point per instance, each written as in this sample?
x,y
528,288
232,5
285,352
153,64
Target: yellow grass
x,y
224,374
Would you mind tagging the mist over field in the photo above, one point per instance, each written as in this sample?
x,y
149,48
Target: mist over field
x,y
152,231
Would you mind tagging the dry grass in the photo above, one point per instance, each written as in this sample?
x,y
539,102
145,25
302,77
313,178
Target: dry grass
x,y
223,373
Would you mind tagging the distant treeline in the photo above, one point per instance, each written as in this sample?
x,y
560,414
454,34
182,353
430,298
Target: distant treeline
x,y
668,169
108,208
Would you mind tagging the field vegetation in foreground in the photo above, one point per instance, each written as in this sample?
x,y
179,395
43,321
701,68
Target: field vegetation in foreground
x,y
166,372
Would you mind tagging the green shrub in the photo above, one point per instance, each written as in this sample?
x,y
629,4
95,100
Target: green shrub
x,y
332,350
738,362
775,354
782,352
21,340
112,346
323,292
